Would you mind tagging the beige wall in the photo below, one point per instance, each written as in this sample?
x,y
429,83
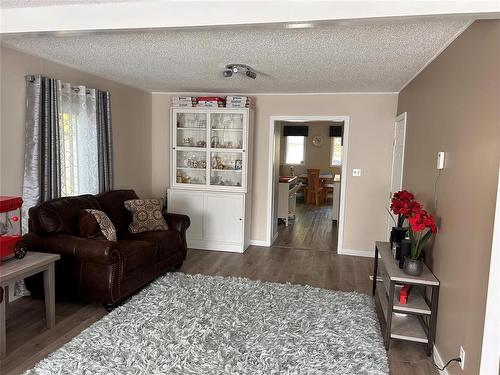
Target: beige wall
x,y
370,148
454,106
131,118
315,157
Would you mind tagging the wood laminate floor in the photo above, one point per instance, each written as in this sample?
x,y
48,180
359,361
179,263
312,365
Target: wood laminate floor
x,y
312,229
28,341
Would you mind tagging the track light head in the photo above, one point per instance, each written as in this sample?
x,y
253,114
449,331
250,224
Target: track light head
x,y
251,74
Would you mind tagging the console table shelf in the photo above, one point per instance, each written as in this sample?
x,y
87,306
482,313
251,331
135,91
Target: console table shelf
x,y
416,320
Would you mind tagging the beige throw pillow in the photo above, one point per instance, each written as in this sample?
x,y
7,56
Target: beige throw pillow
x,y
146,215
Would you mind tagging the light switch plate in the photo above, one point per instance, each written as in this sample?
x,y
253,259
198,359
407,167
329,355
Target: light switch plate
x,y
356,172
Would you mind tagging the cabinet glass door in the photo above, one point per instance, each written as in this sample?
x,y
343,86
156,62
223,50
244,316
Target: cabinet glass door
x,y
226,130
226,168
191,167
191,130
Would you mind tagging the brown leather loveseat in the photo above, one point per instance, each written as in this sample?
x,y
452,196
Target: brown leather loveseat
x,y
99,270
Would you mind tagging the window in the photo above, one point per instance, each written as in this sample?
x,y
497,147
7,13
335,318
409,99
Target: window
x,y
78,141
336,151
294,150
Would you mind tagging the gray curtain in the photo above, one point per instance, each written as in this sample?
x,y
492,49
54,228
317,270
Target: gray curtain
x,y
43,166
42,173
104,140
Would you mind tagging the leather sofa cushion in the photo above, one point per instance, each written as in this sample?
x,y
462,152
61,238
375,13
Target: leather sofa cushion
x,y
167,241
112,203
61,215
137,255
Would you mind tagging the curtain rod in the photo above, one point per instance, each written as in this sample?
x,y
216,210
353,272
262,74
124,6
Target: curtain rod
x,y
32,78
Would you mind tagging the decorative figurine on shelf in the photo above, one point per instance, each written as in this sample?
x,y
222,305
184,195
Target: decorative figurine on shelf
x,y
187,142
179,177
214,141
201,144
219,164
185,179
238,164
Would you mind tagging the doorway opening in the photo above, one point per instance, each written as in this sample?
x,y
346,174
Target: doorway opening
x,y
308,166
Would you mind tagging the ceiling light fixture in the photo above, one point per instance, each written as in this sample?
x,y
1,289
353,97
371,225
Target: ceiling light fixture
x,y
239,68
304,25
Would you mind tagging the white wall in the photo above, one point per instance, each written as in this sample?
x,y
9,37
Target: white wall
x,y
370,148
130,113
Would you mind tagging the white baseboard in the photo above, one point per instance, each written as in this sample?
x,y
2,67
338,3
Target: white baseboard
x,y
259,243
215,246
357,253
439,361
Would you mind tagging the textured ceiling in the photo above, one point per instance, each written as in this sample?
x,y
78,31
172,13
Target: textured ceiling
x,y
355,56
43,3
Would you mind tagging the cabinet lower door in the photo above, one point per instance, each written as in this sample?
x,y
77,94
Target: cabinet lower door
x,y
190,204
224,220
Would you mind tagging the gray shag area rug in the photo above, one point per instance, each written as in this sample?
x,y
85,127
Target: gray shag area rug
x,y
194,324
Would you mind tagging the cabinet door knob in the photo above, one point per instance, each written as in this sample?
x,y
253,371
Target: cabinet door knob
x,y
241,219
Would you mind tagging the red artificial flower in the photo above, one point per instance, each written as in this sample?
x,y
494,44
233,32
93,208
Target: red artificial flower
x,y
396,206
412,208
403,203
422,220
404,195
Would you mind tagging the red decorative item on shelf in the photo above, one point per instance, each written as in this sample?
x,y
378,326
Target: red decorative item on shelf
x,y
404,294
210,98
10,228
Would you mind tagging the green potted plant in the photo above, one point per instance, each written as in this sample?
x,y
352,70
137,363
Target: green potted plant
x,y
422,228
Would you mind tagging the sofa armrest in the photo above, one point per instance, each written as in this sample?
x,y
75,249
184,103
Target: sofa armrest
x,y
84,250
179,223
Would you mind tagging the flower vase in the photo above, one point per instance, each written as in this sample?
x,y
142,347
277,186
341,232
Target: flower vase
x,y
404,251
397,235
413,267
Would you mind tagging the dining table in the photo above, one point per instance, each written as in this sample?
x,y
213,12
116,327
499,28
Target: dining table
x,y
323,177
328,178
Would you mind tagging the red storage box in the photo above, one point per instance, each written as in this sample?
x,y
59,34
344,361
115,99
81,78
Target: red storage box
x,y
8,245
10,203
10,228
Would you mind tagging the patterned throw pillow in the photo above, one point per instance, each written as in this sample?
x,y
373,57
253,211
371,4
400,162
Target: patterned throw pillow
x,y
96,225
146,215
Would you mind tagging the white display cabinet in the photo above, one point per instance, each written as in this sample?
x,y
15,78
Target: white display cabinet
x,y
210,149
210,173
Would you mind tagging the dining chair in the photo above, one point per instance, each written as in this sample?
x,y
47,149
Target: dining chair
x,y
328,185
314,192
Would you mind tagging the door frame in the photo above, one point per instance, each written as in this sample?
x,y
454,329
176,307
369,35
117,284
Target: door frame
x,y
490,353
402,116
271,237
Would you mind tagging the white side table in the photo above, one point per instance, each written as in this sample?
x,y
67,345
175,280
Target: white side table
x,y
18,269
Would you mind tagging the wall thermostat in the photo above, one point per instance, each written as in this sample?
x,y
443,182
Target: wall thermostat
x,y
440,160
